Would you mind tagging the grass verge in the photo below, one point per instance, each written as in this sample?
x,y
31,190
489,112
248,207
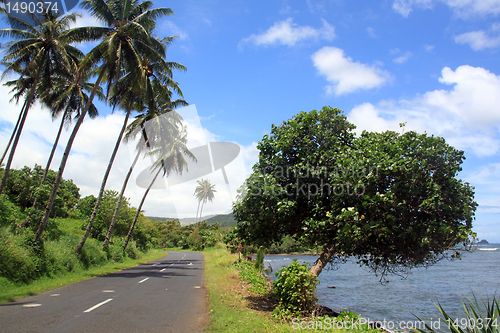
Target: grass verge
x,y
239,302
10,291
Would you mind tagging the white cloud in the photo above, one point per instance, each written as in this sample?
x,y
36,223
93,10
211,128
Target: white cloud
x,y
92,149
403,59
480,40
404,7
429,48
172,29
371,32
288,33
344,74
462,8
87,20
466,115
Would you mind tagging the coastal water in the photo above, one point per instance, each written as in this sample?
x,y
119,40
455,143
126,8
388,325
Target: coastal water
x,y
359,290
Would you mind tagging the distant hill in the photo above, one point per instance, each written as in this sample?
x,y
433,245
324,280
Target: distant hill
x,y
483,241
224,220
158,218
183,221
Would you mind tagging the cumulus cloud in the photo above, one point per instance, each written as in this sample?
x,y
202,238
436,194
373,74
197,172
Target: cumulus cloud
x,y
462,8
173,30
344,74
403,58
92,149
480,40
404,7
288,33
466,115
371,32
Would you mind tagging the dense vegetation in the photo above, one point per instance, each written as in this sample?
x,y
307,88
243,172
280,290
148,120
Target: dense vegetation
x,y
23,260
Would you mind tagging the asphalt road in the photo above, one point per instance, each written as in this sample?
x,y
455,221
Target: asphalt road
x,y
166,295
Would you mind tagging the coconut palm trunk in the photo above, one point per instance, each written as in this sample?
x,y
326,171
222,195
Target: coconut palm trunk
x,y
47,167
54,147
104,180
29,100
64,159
198,209
120,198
14,131
132,226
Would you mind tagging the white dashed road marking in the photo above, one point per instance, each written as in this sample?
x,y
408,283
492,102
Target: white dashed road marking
x,y
98,305
33,305
144,280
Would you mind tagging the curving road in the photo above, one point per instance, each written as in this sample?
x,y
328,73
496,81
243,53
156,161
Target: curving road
x,y
165,295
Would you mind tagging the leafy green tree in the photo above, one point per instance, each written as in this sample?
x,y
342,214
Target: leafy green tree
x,y
106,210
393,201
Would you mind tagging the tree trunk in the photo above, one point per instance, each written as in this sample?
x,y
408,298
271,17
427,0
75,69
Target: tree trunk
x,y
119,202
198,209
139,211
30,98
64,159
49,162
14,131
54,148
104,181
323,258
201,212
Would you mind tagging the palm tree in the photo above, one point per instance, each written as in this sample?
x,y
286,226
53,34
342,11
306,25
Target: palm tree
x,y
156,99
68,96
171,158
148,139
36,52
126,42
204,192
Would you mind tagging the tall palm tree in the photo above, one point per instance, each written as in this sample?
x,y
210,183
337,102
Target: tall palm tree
x,y
38,51
155,97
126,42
148,138
68,96
204,192
170,159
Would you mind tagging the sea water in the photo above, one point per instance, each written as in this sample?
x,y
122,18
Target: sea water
x,y
353,288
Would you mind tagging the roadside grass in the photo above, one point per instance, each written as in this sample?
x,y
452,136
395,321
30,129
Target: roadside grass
x,y
10,291
239,299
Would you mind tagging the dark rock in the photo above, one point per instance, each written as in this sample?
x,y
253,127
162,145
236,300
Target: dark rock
x,y
325,311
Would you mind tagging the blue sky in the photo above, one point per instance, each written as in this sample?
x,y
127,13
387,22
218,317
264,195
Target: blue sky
x,y
430,63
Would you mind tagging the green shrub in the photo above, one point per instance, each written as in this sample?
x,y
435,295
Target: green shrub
x,y
91,254
131,250
294,289
61,255
115,252
18,261
9,213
